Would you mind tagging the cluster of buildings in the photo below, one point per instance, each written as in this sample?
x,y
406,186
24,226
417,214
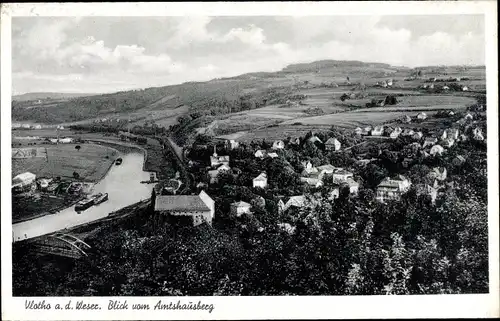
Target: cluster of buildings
x,y
33,126
200,208
314,176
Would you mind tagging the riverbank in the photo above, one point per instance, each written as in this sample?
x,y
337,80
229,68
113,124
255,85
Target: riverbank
x,y
123,185
155,159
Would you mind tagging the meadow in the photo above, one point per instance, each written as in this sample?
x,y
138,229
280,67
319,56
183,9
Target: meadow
x,y
91,162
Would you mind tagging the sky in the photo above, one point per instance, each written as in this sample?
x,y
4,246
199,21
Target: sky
x,y
108,54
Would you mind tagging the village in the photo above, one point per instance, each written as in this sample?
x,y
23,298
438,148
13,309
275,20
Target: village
x,y
291,176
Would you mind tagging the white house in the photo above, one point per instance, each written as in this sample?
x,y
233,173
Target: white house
x,y
465,88
395,133
327,169
417,136
66,140
260,181
358,131
216,160
23,181
308,168
260,153
240,208
478,134
392,189
446,88
378,131
332,144
233,144
272,155
436,150
367,130
278,144
468,116
422,116
341,175
200,208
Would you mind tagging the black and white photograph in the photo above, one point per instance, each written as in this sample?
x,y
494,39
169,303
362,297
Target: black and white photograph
x,y
262,155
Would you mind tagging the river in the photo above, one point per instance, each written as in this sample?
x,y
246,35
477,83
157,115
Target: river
x,y
122,183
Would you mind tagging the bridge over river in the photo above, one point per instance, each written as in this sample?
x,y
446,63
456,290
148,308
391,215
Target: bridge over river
x,y
122,183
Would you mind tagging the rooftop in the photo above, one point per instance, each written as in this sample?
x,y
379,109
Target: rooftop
x,y
180,203
240,203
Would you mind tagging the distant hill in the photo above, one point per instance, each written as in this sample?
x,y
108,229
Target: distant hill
x,y
36,96
328,64
210,98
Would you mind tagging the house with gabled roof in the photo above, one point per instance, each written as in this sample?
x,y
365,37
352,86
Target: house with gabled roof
x,y
436,150
395,132
314,179
478,134
341,175
260,153
392,188
240,208
327,169
367,130
278,144
260,181
216,160
332,144
198,208
377,131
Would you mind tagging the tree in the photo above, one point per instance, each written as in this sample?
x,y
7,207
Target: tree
x,y
77,147
76,175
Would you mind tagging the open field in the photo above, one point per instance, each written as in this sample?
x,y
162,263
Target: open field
x,y
49,132
352,119
91,162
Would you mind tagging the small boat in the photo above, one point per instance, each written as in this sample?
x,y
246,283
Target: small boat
x,y
84,204
118,161
100,198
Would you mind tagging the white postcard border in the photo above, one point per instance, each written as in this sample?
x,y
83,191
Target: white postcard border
x,y
415,306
